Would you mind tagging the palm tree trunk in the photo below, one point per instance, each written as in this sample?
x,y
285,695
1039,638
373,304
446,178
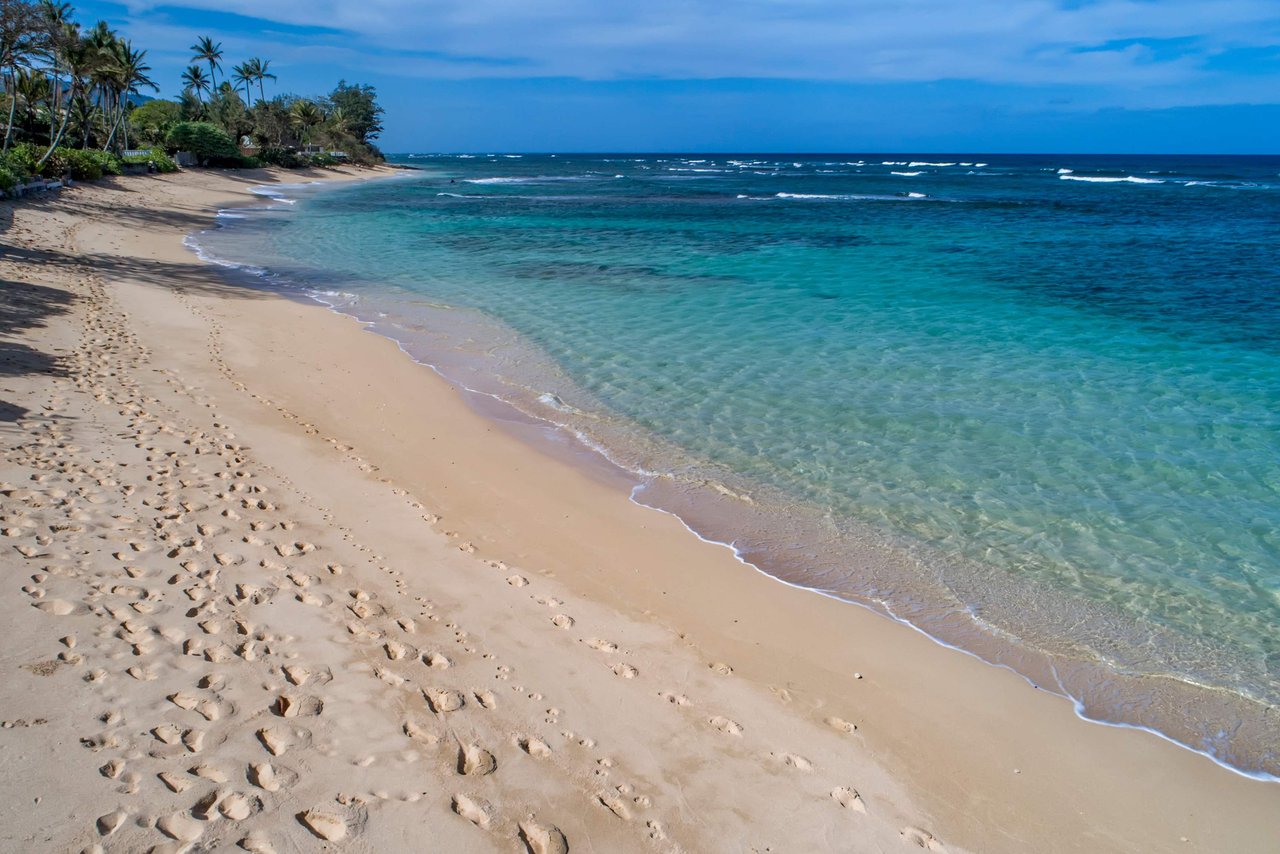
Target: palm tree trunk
x,y
57,140
13,105
53,143
115,126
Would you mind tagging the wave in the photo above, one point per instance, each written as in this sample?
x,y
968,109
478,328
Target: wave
x,y
192,243
539,179
1107,179
274,194
907,174
844,197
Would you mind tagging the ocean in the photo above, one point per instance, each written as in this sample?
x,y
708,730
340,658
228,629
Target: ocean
x,y
1029,405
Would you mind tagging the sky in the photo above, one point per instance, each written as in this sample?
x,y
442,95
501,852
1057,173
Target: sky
x,y
991,76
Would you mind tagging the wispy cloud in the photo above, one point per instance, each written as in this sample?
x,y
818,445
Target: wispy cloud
x,y
1124,42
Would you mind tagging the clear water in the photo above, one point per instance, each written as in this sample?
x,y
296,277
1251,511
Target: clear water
x,y
1035,412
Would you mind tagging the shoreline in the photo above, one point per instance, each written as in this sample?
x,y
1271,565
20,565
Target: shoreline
x,y
996,647
937,735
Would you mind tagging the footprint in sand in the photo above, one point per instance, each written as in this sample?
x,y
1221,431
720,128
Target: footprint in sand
x,y
602,645
436,661
793,760
841,725
326,825
257,843
475,760
270,778
922,839
420,732
721,668
174,783
180,827
110,823
275,740
725,725
297,706
615,805
562,621
543,839
625,671
473,810
396,650
443,700
674,698
848,798
535,747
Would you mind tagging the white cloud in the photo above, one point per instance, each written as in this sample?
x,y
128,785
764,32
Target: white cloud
x,y
996,41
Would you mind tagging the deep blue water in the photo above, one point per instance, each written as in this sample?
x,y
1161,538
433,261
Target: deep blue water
x,y
1030,404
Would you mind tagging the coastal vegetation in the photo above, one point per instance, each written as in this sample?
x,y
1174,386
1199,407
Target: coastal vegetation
x,y
73,101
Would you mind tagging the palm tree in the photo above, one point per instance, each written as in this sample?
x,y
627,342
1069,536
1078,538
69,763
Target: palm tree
x,y
60,29
242,75
304,115
22,37
76,57
103,44
257,69
128,72
338,123
195,80
34,95
206,51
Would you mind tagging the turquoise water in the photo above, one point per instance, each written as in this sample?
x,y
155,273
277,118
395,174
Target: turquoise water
x,y
1030,405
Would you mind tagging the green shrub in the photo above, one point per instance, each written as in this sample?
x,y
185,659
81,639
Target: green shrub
x,y
154,157
152,121
8,180
57,164
108,162
85,164
322,159
21,159
208,142
281,157
236,161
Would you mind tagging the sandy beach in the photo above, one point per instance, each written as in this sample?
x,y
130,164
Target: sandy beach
x,y
270,583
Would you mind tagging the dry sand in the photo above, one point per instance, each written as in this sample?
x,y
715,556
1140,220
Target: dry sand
x,y
268,583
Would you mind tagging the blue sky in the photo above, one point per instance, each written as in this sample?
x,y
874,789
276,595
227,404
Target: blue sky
x,y
762,75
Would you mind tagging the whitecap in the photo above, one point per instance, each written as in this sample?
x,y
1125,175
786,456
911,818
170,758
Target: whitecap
x,y
809,196
1107,179
907,174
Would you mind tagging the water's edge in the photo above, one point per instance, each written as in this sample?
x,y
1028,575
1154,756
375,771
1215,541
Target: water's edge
x,y
1094,690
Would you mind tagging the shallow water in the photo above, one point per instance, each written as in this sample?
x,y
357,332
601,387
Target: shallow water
x,y
1029,405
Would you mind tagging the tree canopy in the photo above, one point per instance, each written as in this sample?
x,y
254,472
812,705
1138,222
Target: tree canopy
x,y
61,83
